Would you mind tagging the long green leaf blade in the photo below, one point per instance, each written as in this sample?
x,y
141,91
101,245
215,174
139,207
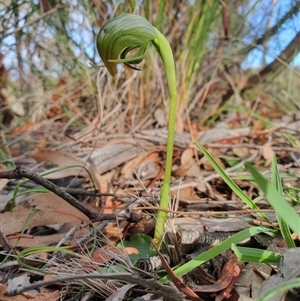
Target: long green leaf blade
x,y
243,196
280,288
223,246
255,255
284,228
281,207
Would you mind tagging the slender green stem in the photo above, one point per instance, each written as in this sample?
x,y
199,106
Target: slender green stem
x,y
165,51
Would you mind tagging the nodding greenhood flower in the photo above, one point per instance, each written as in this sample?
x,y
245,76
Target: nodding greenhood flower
x,y
115,40
122,34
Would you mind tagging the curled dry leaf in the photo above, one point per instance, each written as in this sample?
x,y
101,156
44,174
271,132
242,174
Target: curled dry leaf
x,y
160,116
229,275
186,195
267,153
176,280
188,165
241,152
141,165
226,293
3,182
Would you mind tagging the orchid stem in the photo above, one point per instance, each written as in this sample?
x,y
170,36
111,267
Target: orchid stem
x,y
165,51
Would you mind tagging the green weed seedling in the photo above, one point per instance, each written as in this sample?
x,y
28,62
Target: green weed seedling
x,y
116,39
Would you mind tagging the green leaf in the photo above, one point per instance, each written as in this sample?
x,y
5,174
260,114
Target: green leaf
x,y
255,255
276,200
223,246
279,289
243,196
284,228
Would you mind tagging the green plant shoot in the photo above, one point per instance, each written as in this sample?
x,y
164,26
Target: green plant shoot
x,y
118,37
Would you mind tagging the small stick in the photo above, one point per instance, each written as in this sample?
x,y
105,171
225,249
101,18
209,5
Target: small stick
x,y
207,213
20,172
169,293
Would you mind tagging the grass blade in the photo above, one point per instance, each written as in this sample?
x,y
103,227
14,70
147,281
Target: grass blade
x,y
223,246
281,207
243,196
280,288
255,255
284,228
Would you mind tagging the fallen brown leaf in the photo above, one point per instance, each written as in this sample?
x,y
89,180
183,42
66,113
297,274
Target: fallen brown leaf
x,y
188,165
41,209
187,193
267,153
226,293
3,182
228,276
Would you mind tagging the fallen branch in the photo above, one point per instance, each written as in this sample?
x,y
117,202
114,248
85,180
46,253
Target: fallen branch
x,y
20,172
169,293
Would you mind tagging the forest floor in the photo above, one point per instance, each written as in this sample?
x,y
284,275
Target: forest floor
x,y
116,177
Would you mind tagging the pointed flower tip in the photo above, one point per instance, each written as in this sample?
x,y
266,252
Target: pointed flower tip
x,y
122,34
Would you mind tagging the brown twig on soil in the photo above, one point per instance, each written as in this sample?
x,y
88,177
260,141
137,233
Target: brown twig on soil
x,y
252,146
169,293
72,191
20,172
206,213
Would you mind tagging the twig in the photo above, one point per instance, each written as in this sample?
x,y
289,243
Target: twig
x,y
207,213
252,146
167,292
125,198
83,239
20,172
73,191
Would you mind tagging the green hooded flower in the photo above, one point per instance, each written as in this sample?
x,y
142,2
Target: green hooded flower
x,y
122,34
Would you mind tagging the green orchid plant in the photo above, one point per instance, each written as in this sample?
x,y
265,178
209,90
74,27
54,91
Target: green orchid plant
x,y
131,32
